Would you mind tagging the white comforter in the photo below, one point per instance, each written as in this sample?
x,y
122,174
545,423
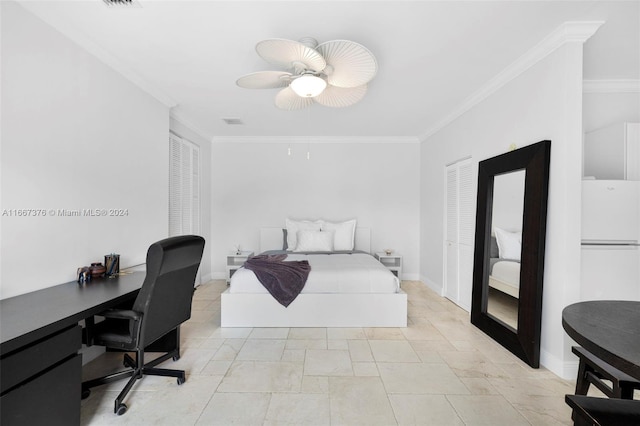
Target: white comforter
x,y
508,272
330,273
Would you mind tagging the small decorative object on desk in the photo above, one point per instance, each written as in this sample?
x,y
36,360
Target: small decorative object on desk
x,y
388,252
238,249
84,274
97,270
112,264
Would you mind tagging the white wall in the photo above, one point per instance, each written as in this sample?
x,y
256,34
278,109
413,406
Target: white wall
x,y
256,184
542,103
75,135
603,109
186,132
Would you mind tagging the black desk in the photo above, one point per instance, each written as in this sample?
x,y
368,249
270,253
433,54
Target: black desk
x,y
41,368
608,329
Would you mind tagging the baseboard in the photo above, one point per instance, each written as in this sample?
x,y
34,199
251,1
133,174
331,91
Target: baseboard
x,y
410,277
432,285
567,370
218,276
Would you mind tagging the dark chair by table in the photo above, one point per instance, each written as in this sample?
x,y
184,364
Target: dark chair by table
x,y
593,370
590,411
164,302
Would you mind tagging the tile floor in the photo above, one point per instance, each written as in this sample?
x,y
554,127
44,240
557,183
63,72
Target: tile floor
x,y
440,370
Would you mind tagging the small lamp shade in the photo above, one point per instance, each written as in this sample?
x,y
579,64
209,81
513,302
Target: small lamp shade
x,y
308,86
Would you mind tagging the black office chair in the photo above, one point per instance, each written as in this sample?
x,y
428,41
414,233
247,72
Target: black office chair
x,y
163,303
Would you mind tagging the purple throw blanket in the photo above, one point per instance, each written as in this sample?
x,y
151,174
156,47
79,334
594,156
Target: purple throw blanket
x,y
284,280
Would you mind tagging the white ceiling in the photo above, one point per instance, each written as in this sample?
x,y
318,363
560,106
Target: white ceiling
x,y
431,54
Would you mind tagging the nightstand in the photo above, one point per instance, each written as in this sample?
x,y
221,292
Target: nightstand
x,y
235,261
392,261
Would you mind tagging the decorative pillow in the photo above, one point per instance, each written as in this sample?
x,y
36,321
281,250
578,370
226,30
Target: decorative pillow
x,y
293,226
345,233
509,244
314,241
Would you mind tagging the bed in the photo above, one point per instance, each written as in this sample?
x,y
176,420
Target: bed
x,y
344,289
504,274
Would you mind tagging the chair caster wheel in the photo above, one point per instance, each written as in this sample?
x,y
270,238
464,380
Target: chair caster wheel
x,y
181,380
121,409
85,393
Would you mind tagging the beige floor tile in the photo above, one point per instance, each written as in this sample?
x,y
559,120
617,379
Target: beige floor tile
x,y
393,351
422,332
420,378
296,355
235,408
269,333
345,333
298,409
544,410
479,386
262,376
365,369
306,344
229,350
216,368
315,384
495,387
472,364
308,333
261,350
424,410
360,351
338,344
486,410
327,363
359,401
384,333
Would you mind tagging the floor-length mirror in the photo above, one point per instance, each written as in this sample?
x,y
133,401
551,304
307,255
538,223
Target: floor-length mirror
x,y
509,248
506,247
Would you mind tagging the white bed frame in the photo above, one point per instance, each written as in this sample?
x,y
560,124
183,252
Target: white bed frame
x,y
314,310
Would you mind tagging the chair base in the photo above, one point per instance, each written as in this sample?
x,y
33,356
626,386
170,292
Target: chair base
x,y
134,373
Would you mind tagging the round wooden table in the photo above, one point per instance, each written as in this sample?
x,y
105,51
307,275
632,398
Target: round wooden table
x,y
608,329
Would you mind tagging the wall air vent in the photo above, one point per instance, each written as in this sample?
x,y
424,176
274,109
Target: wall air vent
x,y
122,3
233,121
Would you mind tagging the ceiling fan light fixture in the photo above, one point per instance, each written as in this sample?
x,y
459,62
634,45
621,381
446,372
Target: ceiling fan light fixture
x,y
308,85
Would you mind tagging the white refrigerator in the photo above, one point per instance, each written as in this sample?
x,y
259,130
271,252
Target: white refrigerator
x,y
610,240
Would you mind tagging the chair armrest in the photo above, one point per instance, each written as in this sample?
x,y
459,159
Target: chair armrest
x,y
124,314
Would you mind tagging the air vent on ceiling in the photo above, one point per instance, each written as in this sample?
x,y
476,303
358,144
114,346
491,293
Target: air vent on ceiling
x,y
233,121
122,3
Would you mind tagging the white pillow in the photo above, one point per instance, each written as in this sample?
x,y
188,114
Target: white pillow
x,y
315,241
293,226
345,233
509,244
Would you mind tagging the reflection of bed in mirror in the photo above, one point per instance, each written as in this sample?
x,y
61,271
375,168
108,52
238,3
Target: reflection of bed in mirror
x,y
504,274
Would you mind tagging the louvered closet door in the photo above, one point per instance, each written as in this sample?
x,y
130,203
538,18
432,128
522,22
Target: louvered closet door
x,y
451,238
184,187
458,244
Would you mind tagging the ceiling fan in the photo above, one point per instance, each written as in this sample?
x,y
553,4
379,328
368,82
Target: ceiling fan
x,y
334,73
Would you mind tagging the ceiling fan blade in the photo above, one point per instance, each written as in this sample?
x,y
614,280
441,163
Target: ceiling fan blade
x,y
349,64
265,80
286,53
339,97
287,99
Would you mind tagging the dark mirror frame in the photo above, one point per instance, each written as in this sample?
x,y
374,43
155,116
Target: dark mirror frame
x,y
534,159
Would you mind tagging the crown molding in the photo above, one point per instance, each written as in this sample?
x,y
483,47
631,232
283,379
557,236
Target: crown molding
x,y
101,54
179,117
577,32
611,86
315,139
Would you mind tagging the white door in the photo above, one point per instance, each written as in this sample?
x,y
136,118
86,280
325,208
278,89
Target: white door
x,y
459,226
